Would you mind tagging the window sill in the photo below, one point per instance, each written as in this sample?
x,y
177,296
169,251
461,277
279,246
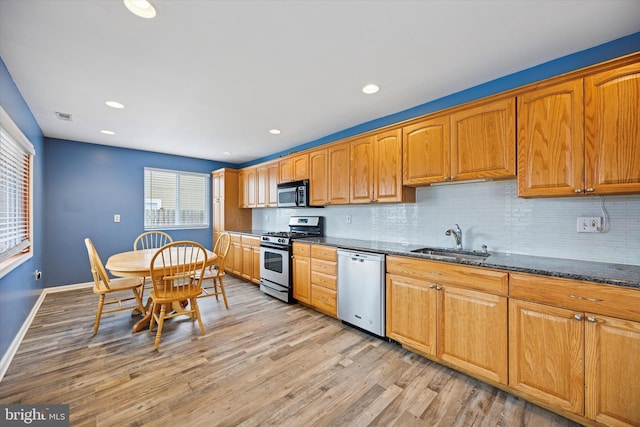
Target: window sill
x,y
14,262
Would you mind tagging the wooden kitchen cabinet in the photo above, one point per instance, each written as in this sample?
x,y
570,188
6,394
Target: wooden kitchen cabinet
x,y
427,151
233,264
273,173
376,169
225,207
250,270
266,188
302,272
581,136
324,280
294,167
573,345
247,188
329,175
483,141
456,313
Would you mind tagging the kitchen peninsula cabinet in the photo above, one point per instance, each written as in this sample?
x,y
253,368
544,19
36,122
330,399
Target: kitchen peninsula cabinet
x,y
294,167
376,169
225,208
574,346
329,175
456,314
581,136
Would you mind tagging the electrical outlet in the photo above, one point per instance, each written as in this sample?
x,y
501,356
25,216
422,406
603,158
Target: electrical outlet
x,y
589,224
348,219
116,218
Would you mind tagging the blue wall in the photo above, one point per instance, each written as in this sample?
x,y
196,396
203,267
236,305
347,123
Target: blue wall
x,y
19,290
86,184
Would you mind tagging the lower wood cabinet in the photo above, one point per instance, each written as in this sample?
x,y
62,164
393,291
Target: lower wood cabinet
x,y
577,357
315,276
456,314
243,258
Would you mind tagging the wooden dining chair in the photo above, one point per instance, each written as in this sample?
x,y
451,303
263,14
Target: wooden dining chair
x,y
215,273
172,269
114,288
151,240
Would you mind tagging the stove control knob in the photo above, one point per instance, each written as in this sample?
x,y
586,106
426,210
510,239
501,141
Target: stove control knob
x,y
280,240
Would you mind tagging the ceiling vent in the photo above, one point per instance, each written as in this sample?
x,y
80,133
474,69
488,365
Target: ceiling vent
x,y
64,116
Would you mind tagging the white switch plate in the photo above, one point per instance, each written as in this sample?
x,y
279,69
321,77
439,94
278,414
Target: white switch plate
x,y
589,224
116,218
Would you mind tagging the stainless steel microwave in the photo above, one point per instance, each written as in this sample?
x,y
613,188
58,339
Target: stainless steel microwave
x,y
293,194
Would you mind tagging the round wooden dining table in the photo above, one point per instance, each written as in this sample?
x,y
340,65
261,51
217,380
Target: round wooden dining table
x,y
138,264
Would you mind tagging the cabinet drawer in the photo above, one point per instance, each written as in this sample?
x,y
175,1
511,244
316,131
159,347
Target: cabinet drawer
x,y
326,267
483,279
301,249
250,241
236,238
577,295
324,299
324,280
324,252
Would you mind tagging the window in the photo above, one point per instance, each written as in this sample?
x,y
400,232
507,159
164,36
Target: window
x,y
16,165
175,199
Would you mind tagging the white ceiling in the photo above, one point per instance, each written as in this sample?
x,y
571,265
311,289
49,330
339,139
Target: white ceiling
x,y
204,77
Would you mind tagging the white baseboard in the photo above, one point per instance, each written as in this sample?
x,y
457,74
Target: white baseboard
x,y
17,340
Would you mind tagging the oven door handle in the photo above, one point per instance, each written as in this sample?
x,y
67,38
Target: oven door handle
x,y
273,246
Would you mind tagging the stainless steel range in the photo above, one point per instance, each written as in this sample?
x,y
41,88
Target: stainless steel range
x,y
276,278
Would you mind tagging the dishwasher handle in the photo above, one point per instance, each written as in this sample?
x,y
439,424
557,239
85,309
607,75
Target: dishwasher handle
x,y
361,256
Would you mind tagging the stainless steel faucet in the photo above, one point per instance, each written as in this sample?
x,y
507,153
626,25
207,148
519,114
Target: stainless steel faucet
x,y
457,234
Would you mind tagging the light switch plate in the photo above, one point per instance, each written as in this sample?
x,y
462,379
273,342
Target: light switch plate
x,y
116,218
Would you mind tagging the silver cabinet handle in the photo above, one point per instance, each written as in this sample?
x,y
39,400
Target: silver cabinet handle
x,y
591,319
577,316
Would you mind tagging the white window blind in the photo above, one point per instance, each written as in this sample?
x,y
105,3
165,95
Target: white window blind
x,y
16,154
174,199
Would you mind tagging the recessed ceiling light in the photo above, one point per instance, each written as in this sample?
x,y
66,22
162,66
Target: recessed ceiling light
x,y
275,132
107,132
370,88
226,153
142,8
114,104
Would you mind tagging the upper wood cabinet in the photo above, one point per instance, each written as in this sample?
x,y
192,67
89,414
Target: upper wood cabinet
x,y
294,167
426,151
329,175
581,137
551,141
273,173
247,193
376,169
471,143
483,141
267,185
612,131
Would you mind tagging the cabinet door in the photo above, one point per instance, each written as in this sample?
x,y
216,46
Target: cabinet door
x,y
546,353
247,262
483,141
426,151
551,141
338,166
217,185
272,186
612,137
612,347
301,167
318,177
236,248
250,184
472,332
302,279
362,170
411,313
255,276
387,174
243,189
286,169
262,182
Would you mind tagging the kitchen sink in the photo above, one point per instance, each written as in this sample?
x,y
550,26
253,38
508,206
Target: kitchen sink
x,y
437,253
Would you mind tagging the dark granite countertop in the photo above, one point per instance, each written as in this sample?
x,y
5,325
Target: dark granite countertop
x,y
254,233
600,272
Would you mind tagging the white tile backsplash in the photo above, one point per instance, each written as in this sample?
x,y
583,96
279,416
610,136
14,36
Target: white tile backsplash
x,y
489,213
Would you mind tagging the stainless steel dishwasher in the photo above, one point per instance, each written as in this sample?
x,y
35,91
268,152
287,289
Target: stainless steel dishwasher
x,y
361,295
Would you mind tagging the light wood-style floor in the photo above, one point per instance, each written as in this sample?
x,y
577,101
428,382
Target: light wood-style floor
x,y
261,363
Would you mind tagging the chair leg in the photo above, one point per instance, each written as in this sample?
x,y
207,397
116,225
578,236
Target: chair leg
x,y
160,323
196,309
215,288
98,314
224,294
152,312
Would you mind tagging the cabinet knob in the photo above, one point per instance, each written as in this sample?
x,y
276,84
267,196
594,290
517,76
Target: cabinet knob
x,y
446,178
432,286
590,190
452,178
438,288
577,316
577,191
591,319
